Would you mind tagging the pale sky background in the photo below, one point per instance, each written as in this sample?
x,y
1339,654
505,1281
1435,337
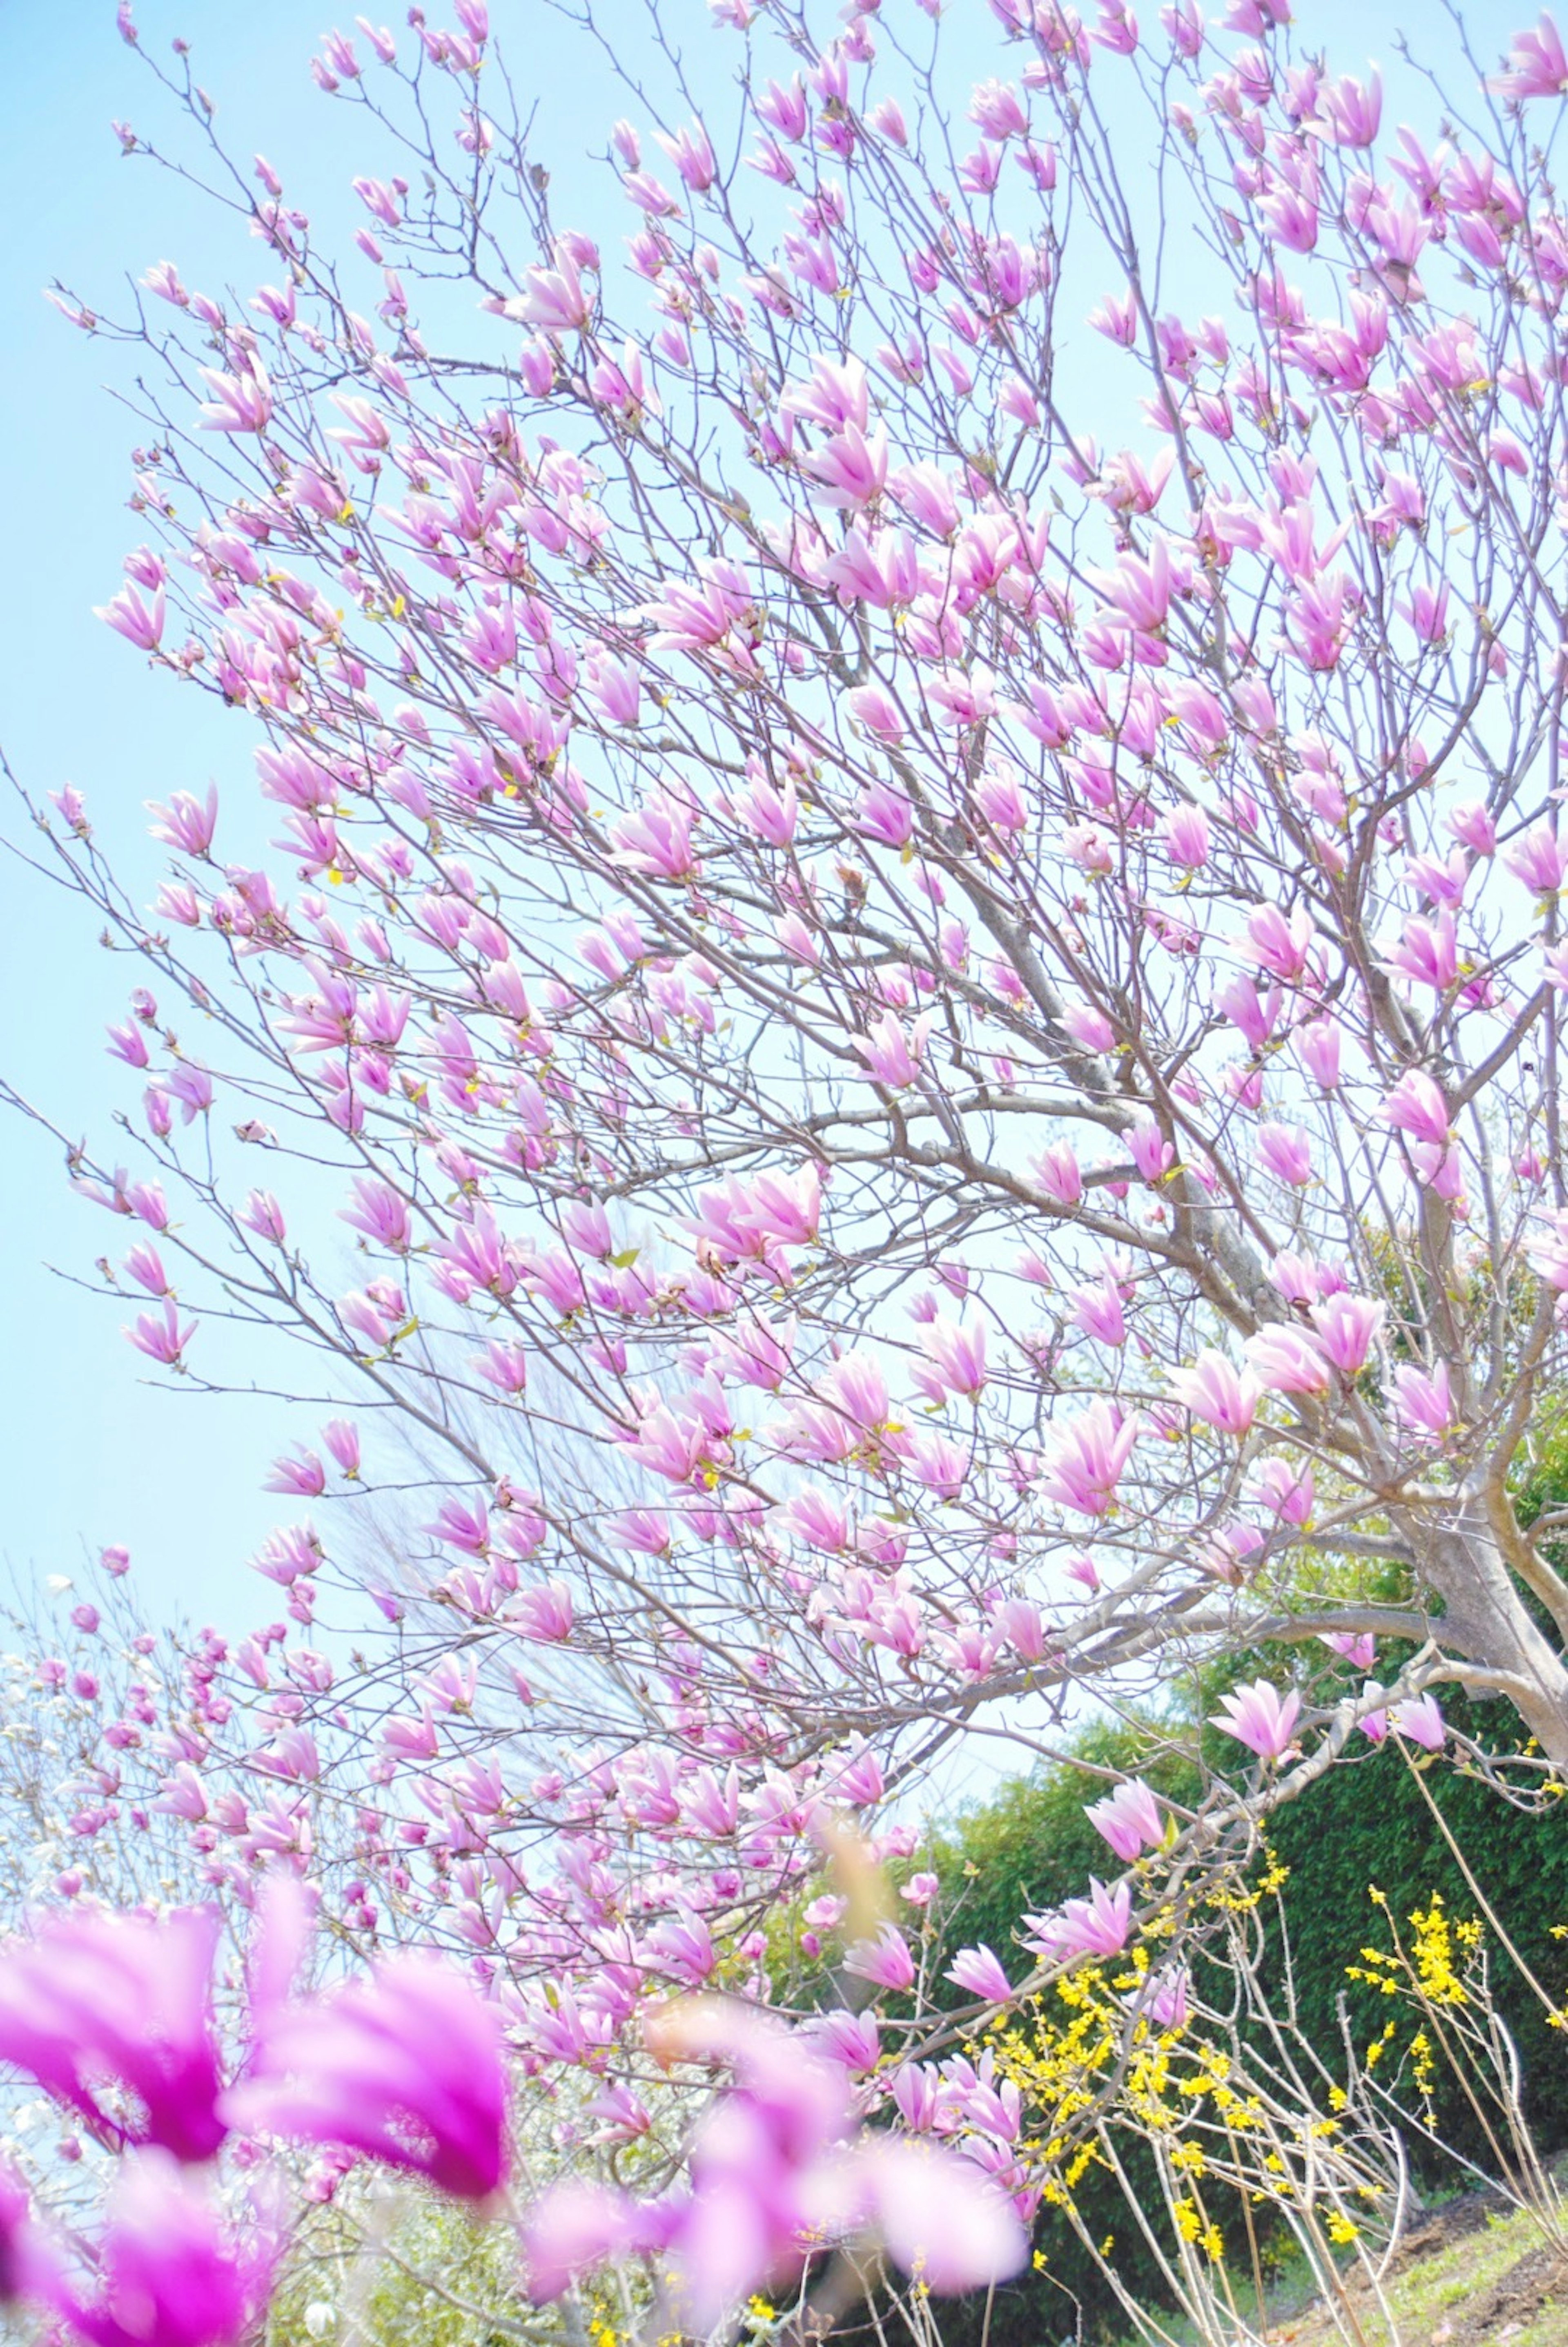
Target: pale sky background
x,y
88,1453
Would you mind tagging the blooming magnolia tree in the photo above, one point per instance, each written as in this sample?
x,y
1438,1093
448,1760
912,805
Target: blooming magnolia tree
x,y
916,935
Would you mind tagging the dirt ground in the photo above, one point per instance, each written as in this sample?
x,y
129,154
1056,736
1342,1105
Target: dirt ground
x,y
1475,2274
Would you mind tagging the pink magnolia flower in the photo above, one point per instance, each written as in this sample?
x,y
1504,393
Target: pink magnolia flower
x,y
980,1970
1286,1361
1349,112
380,1214
127,1043
1537,65
1098,1310
1428,951
1095,1926
1280,943
92,1999
720,610
187,823
1424,1402
851,2038
1548,1254
785,111
682,1946
1289,1491
1187,833
1472,826
1129,1818
838,393
1358,1649
27,2269
1089,1026
892,1052
1285,1151
166,2269
545,1613
341,1437
759,1352
557,299
240,403
1213,1391
886,814
1540,858
1057,1172
1021,1623
962,696
261,1213
789,1206
689,150
1084,1468
771,814
1258,1718
1167,1998
885,1961
936,2217
655,839
877,710
1421,1720
1318,1045
140,623
618,689
1319,617
301,1477
404,2067
1346,1326
1151,1152
1417,1107
1226,1554
148,1203
955,1361
144,1265
850,468
999,109
855,1389
1256,1014
162,1337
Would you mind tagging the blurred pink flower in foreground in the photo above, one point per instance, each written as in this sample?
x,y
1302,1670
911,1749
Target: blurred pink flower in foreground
x,y
776,2170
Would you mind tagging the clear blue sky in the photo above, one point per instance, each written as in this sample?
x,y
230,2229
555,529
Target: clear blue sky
x,y
88,1453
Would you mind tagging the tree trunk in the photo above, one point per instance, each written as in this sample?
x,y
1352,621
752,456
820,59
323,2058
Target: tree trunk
x,y
1486,1622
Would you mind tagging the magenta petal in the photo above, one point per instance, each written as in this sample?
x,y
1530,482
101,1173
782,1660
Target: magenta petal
x,y
942,2222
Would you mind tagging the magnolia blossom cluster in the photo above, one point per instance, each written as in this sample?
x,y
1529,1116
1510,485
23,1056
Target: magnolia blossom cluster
x,y
113,2016
895,1043
1068,709
524,1097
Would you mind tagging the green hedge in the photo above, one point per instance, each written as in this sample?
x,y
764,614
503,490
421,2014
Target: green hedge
x,y
1368,1824
1365,1823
